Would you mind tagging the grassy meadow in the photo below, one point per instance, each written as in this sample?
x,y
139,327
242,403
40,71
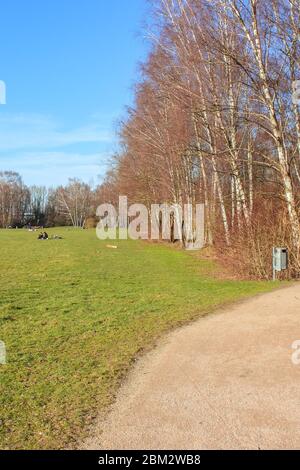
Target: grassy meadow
x,y
74,314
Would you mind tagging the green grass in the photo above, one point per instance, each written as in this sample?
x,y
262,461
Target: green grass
x,y
74,315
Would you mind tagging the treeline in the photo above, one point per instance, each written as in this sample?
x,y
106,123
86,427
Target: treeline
x,y
20,205
215,121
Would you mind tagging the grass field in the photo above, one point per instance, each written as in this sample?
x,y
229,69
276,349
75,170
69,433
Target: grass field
x,y
74,314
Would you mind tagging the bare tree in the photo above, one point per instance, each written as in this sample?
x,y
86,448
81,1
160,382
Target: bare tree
x,y
75,201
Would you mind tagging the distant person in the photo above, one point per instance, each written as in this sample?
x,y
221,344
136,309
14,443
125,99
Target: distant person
x,y
43,236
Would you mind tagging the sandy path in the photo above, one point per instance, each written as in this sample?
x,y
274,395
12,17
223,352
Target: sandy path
x,y
226,381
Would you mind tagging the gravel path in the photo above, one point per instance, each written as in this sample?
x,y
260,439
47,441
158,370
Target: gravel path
x,y
226,381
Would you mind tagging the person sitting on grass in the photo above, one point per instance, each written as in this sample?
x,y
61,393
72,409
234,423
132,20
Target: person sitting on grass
x,y
43,236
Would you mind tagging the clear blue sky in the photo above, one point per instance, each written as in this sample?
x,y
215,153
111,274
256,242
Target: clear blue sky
x,y
69,67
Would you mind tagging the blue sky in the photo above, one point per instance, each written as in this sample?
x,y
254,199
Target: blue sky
x,y
69,68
